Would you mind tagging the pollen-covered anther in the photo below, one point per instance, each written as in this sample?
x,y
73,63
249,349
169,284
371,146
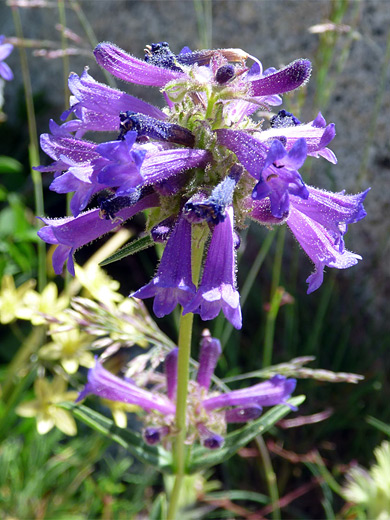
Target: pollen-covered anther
x,y
146,126
224,74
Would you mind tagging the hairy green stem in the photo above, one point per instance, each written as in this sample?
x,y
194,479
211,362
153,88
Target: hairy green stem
x,y
183,363
33,146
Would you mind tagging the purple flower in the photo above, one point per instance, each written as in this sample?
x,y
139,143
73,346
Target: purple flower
x,y
124,66
123,164
208,411
280,177
217,289
5,50
319,224
275,391
286,79
98,106
200,161
103,383
173,283
316,133
70,233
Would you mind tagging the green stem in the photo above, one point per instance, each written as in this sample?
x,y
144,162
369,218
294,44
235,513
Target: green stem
x,y
183,363
33,146
270,477
185,334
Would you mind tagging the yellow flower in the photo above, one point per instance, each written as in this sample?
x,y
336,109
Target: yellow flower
x,y
371,489
11,298
48,302
44,408
98,284
71,348
119,411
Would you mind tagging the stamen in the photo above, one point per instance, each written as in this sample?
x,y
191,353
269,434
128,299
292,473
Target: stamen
x,y
160,54
161,232
146,126
111,206
284,119
213,209
224,74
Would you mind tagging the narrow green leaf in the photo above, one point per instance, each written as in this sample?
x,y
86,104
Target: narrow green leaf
x,y
159,508
204,458
130,249
379,425
133,442
238,494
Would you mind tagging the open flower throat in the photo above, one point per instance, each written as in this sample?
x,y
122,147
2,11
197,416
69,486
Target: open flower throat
x,y
201,161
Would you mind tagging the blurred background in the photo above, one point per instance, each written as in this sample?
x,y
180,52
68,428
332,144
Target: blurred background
x,y
345,324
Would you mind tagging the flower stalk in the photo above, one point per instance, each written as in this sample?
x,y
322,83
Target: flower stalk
x,y
183,364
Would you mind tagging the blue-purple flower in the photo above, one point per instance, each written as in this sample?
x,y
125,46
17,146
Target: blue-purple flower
x,y
209,410
5,50
172,284
201,162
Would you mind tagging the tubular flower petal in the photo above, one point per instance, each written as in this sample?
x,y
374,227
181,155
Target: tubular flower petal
x,y
124,66
71,233
217,290
173,283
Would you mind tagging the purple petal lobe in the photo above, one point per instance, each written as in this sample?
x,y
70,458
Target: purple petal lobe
x,y
275,391
208,358
170,367
104,384
124,66
289,78
173,283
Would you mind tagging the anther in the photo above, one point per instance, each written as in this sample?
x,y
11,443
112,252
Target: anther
x,y
146,126
224,74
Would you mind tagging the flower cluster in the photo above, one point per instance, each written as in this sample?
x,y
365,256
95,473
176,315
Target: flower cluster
x,y
208,412
202,162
